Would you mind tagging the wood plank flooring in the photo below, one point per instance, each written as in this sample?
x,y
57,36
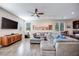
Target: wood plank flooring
x,y
21,48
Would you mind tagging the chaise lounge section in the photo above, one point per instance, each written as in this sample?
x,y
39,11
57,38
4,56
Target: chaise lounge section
x,y
68,47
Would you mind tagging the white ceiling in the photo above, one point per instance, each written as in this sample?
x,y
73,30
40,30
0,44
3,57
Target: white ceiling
x,y
51,10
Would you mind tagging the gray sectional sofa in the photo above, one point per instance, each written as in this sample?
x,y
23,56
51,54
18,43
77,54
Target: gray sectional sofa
x,y
67,47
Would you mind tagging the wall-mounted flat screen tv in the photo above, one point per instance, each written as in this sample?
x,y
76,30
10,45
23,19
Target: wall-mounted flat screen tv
x,y
8,24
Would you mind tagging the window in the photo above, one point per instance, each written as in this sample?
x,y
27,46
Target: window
x,y
28,26
59,26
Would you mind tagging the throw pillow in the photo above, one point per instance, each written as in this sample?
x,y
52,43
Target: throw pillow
x,y
58,38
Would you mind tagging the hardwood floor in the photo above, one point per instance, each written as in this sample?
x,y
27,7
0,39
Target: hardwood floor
x,y
35,48
21,48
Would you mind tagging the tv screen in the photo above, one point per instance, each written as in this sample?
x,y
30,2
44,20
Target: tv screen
x,y
8,24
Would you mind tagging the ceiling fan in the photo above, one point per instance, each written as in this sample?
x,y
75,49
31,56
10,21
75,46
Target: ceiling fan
x,y
36,13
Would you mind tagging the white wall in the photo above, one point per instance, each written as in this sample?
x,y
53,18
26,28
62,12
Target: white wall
x,y
70,23
44,22
4,13
53,22
22,24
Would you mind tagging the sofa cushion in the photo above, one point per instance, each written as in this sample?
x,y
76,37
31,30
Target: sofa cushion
x,y
77,35
47,46
70,39
67,48
67,39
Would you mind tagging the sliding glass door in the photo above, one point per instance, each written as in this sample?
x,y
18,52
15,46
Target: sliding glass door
x,y
59,26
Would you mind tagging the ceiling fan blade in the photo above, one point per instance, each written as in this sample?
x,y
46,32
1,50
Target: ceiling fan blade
x,y
36,10
38,16
36,13
40,13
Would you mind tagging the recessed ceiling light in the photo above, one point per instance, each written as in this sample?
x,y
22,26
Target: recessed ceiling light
x,y
73,13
